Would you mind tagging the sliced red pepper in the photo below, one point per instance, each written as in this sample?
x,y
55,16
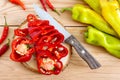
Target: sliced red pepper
x,y
44,40
37,23
60,51
35,36
34,29
57,38
31,17
54,39
42,23
49,32
47,64
22,44
21,32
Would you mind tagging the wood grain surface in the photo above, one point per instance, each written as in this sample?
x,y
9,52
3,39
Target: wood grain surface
x,y
77,68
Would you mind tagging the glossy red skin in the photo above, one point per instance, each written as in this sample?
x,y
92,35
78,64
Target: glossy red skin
x,y
4,48
47,41
4,34
17,57
18,2
21,32
46,54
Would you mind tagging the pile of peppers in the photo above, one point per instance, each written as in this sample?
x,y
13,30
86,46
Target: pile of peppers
x,y
104,20
42,40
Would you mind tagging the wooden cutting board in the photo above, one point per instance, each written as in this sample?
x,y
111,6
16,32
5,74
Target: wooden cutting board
x,y
77,68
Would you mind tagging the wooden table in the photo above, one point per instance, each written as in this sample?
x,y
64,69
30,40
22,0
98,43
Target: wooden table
x,y
77,68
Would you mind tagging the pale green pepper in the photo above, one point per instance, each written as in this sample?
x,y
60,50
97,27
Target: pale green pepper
x,y
98,38
84,14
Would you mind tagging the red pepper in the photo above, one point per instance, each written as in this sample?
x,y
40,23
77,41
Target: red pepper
x,y
20,50
46,42
51,6
31,17
5,32
18,2
43,5
21,32
60,51
47,64
53,39
4,48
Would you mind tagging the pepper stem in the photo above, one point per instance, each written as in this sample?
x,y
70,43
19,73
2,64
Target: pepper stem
x,y
66,9
5,21
56,12
8,42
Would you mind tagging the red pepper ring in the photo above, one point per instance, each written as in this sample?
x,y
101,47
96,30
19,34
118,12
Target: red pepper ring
x,y
53,39
21,32
38,23
18,57
31,17
56,38
47,64
42,23
52,32
60,51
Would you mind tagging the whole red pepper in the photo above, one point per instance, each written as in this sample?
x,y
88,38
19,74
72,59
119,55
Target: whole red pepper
x,y
18,2
51,6
5,32
43,5
47,64
20,50
44,2
4,48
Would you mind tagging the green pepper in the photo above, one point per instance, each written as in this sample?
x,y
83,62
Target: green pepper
x,y
98,38
83,14
94,4
111,13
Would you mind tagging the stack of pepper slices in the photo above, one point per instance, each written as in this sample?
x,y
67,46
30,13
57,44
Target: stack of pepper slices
x,y
42,40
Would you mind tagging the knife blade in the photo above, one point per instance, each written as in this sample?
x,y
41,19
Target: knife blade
x,y
68,38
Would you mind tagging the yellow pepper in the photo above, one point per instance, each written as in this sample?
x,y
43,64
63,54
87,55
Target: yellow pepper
x,y
94,4
119,1
111,13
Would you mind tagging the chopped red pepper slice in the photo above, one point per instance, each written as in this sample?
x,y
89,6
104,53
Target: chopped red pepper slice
x,y
47,64
60,51
31,17
55,39
21,32
20,50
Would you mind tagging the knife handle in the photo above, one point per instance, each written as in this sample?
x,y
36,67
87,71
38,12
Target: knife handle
x,y
83,53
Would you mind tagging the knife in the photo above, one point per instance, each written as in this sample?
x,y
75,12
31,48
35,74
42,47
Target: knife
x,y
68,38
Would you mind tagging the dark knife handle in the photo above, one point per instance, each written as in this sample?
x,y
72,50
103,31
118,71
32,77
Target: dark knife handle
x,y
83,53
